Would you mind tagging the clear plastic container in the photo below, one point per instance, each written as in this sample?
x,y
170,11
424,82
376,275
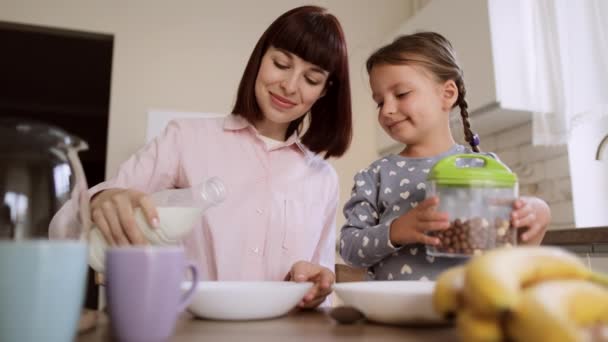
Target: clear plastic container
x,y
477,192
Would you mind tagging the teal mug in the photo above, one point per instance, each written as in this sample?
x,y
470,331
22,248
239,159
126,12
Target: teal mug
x,y
42,285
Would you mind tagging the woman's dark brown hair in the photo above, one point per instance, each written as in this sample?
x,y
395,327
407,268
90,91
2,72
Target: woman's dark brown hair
x,y
434,52
317,37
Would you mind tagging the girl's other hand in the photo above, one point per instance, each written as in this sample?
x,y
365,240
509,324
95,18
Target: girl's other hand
x,y
533,215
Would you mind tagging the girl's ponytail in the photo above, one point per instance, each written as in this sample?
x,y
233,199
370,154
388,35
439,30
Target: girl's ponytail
x,y
470,137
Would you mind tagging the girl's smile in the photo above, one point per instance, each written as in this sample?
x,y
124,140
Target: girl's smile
x,y
394,125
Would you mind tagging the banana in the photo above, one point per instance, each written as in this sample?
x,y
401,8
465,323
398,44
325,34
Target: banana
x,y
472,328
447,296
559,311
493,281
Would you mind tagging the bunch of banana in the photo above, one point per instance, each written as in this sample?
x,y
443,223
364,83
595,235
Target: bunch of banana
x,y
565,310
472,327
447,296
496,295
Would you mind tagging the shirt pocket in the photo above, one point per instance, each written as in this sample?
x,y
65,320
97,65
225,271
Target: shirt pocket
x,y
303,224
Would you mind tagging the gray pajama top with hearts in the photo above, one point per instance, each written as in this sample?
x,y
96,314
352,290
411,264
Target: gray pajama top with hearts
x,y
382,192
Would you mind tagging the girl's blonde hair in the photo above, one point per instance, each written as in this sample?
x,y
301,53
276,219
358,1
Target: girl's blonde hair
x,y
435,53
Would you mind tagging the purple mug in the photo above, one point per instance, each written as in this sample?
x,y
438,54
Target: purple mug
x,y
143,291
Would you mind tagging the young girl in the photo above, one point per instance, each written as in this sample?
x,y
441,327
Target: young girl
x,y
416,82
277,221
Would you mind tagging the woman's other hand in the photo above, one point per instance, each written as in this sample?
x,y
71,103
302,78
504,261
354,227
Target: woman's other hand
x,y
322,277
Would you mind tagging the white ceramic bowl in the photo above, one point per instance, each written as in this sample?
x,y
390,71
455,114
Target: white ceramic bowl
x,y
245,300
392,302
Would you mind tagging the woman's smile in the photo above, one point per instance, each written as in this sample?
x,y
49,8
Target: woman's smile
x,y
281,102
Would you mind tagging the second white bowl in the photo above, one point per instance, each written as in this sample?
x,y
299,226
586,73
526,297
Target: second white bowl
x,y
392,302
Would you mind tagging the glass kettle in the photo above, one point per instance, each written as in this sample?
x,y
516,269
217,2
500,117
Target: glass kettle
x,y
40,172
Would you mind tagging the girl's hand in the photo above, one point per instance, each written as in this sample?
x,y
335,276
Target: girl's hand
x,y
534,215
322,277
112,212
412,226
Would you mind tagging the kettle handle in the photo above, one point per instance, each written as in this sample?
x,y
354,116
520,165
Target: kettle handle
x,y
80,191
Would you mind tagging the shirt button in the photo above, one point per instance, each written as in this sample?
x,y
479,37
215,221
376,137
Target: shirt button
x,y
256,250
260,211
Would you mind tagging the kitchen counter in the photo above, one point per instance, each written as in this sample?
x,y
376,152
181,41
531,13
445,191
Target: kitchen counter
x,y
299,326
591,244
582,240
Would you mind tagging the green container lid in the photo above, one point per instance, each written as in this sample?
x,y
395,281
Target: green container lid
x,y
454,171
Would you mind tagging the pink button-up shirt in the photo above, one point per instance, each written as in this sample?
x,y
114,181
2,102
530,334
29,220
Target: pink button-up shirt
x,y
280,205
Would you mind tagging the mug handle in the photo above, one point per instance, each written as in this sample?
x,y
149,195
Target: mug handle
x,y
187,297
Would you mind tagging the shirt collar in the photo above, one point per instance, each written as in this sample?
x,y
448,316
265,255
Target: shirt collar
x,y
236,122
309,155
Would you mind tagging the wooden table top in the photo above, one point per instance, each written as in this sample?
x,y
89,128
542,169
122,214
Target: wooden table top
x,y
300,326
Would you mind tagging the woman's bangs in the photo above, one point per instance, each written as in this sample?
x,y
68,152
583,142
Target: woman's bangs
x,y
310,41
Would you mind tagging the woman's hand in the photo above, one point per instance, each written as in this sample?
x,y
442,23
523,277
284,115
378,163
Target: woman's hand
x,y
532,214
112,211
412,226
322,277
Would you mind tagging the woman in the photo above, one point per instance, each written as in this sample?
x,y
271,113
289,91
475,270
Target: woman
x,y
278,219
